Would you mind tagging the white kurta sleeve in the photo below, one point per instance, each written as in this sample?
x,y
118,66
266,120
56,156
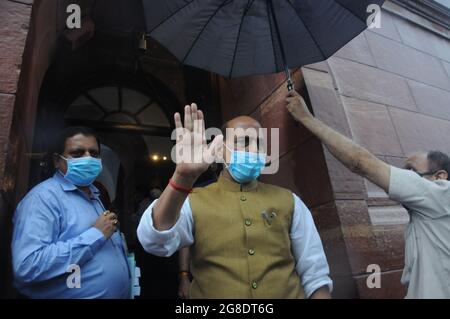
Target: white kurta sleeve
x,y
166,243
311,262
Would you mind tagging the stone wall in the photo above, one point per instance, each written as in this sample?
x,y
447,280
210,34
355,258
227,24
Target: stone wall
x,y
27,39
14,20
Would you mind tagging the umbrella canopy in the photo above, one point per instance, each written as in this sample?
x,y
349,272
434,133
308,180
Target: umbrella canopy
x,y
247,37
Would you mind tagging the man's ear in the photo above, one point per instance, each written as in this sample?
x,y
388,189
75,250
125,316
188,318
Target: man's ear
x,y
441,174
56,160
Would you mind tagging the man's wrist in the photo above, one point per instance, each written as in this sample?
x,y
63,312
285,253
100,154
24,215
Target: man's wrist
x,y
184,180
305,114
308,119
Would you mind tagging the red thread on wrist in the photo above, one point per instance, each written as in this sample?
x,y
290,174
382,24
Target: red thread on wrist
x,y
184,274
179,188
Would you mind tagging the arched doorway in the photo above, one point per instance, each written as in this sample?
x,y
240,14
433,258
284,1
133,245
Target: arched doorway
x,y
135,127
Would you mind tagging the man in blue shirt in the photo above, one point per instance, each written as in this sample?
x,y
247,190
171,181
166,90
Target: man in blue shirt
x,y
65,244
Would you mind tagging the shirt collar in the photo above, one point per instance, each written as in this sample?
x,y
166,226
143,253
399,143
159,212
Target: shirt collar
x,y
68,186
232,186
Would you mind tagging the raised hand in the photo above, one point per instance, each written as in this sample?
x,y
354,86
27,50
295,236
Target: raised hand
x,y
193,155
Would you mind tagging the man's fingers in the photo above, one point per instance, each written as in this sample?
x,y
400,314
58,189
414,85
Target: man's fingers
x,y
177,119
197,119
194,112
179,130
290,108
293,93
215,149
187,118
294,100
192,118
201,117
112,216
199,122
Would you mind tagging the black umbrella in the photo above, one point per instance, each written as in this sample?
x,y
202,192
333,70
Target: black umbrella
x,y
245,37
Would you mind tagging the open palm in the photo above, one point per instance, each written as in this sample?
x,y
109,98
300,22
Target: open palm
x,y
193,154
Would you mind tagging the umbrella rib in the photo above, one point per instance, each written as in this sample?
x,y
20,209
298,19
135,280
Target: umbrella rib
x,y
307,29
170,16
351,12
204,27
271,35
249,4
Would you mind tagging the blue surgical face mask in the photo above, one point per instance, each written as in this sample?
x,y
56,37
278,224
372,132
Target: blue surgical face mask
x,y
82,171
245,166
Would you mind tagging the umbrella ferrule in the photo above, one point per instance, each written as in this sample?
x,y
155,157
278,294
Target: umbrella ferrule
x,y
290,82
290,85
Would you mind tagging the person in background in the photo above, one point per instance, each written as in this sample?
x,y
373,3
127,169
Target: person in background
x,y
153,194
158,275
422,187
184,275
62,229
